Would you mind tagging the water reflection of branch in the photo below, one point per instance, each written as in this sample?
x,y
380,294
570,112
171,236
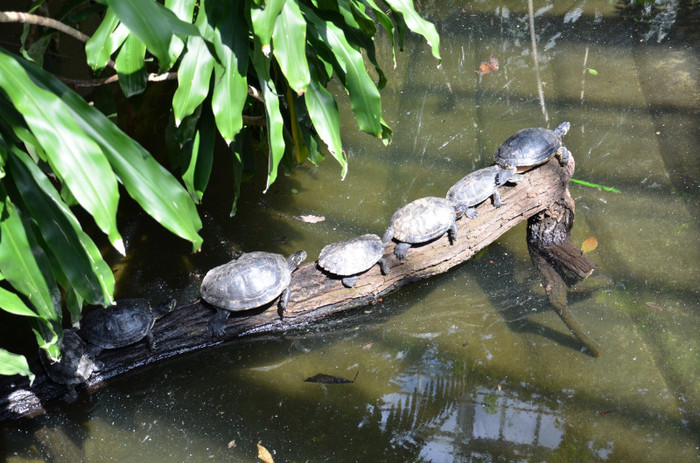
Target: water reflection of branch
x,y
583,79
533,42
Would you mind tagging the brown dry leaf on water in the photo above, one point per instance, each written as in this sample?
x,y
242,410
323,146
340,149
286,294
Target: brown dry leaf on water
x,y
310,218
264,455
589,244
656,306
487,67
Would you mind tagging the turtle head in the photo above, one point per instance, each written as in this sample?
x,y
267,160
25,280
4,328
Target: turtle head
x,y
460,208
562,129
295,259
165,307
505,174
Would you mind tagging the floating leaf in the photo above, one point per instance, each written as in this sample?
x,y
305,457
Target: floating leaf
x,y
264,454
592,72
487,67
310,218
589,244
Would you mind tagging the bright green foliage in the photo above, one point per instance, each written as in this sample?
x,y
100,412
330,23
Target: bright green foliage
x,y
263,62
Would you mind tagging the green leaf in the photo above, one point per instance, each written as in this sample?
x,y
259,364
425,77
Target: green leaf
x,y
275,123
290,46
417,24
184,10
131,67
592,72
13,364
10,302
200,151
323,111
193,75
263,20
364,96
104,41
75,252
76,159
231,85
153,187
386,22
22,261
154,24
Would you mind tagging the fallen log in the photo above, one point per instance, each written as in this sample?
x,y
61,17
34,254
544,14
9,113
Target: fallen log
x,y
316,295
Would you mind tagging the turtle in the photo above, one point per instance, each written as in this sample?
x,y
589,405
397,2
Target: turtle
x,y
477,186
249,281
126,322
422,220
348,259
532,147
74,367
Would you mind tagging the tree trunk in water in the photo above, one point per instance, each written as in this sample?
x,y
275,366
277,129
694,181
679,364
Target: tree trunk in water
x,y
542,195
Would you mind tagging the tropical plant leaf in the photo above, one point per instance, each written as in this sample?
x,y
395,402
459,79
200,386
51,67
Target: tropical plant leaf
x,y
184,10
323,111
386,22
154,24
153,187
231,84
417,24
75,253
13,364
364,96
263,20
11,302
289,39
104,41
193,76
131,67
275,123
200,153
76,159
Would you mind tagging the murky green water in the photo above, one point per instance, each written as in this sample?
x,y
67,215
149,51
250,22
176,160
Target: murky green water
x,y
471,365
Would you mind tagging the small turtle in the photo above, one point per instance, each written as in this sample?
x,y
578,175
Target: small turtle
x,y
352,257
475,188
532,147
250,281
126,322
74,367
420,221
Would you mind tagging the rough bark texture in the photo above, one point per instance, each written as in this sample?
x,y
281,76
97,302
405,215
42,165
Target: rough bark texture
x,y
315,295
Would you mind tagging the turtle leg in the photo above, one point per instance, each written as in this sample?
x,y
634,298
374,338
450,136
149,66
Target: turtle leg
x,y
471,213
71,394
217,323
452,233
350,281
284,299
515,178
497,199
563,154
151,341
383,265
401,249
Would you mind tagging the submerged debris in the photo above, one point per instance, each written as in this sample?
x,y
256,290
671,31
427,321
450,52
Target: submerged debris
x,y
328,379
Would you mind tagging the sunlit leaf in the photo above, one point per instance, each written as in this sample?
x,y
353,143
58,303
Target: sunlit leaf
x,y
289,37
131,67
101,45
264,454
11,302
417,24
589,244
77,160
263,20
13,364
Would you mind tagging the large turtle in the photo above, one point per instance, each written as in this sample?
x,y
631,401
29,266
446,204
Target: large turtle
x,y
126,322
250,281
420,221
74,367
532,147
475,188
349,258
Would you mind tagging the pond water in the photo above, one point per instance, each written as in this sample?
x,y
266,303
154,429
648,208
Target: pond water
x,y
471,365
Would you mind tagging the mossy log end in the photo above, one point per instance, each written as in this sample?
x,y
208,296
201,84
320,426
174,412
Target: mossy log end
x,y
314,294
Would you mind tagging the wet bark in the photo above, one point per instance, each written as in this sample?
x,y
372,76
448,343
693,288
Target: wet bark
x,y
316,295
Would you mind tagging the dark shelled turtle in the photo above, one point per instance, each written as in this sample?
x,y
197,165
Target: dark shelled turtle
x,y
74,367
420,221
349,258
475,188
126,322
531,147
252,280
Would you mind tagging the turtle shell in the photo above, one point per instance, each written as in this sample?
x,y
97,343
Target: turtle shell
x,y
476,187
530,147
127,322
423,220
352,256
252,280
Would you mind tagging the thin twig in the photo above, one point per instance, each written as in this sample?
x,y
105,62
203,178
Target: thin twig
x,y
533,42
